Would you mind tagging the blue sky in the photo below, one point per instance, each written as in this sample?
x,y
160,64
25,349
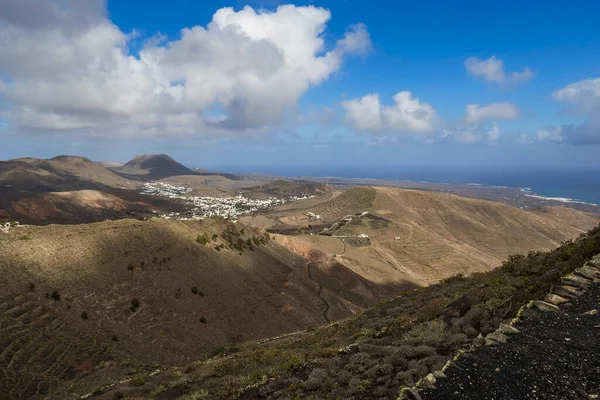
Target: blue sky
x,y
120,78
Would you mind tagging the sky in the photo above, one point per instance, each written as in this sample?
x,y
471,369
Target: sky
x,y
269,86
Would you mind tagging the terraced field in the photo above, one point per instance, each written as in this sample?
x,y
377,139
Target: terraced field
x,y
40,351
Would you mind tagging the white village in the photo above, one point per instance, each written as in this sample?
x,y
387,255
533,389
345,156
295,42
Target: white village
x,y
211,207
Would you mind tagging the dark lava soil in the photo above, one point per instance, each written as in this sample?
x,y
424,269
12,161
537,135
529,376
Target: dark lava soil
x,y
556,356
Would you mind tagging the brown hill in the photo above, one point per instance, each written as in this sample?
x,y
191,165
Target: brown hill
x,y
58,174
284,188
23,175
85,170
78,206
417,235
152,167
194,293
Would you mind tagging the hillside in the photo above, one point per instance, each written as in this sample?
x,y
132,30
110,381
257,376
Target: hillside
x,y
377,354
23,175
416,235
85,170
152,167
58,174
196,293
283,188
74,207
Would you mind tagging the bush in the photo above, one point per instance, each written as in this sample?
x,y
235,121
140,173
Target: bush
x,y
130,267
84,315
194,290
202,239
135,303
55,295
32,286
203,319
138,381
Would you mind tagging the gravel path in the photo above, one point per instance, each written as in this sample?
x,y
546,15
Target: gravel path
x,y
556,356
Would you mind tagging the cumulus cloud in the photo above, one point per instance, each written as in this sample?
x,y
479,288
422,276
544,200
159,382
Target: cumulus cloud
x,y
407,114
475,113
493,134
68,67
584,94
464,132
357,40
474,127
584,98
492,70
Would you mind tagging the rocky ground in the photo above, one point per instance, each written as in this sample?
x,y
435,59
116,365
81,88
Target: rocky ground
x,y
555,356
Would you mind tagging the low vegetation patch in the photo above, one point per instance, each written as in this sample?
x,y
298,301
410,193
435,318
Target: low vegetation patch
x,y
203,239
135,304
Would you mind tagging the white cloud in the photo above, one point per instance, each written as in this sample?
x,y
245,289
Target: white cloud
x,y
357,40
585,99
493,134
67,67
549,135
492,70
585,94
408,114
473,128
474,113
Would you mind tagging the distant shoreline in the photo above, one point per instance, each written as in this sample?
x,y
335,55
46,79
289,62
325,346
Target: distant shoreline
x,y
522,197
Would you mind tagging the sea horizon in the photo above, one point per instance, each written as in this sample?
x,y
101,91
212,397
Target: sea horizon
x,y
575,184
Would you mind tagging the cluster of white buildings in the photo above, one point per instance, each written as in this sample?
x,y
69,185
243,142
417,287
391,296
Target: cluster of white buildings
x,y
211,207
5,227
165,190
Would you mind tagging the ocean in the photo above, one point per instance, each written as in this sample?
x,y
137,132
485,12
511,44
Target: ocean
x,y
577,184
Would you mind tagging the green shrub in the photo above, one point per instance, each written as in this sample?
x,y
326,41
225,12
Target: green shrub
x,y
55,295
203,319
203,239
194,290
84,315
130,267
32,286
137,381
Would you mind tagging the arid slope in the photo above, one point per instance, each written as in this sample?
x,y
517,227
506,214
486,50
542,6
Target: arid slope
x,y
421,236
193,294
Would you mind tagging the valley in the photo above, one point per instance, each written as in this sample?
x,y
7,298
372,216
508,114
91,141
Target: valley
x,y
113,270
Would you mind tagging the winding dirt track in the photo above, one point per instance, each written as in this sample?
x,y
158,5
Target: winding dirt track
x,y
327,306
